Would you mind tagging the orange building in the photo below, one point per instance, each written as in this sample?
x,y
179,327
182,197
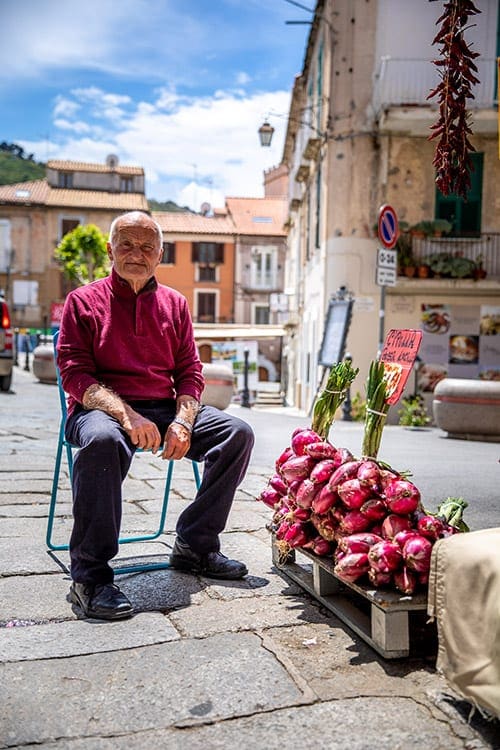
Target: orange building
x,y
199,261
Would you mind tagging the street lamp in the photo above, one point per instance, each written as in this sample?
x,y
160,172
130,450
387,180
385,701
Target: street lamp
x,y
266,131
245,396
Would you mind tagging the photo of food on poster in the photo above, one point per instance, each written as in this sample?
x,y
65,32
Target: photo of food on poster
x,y
459,341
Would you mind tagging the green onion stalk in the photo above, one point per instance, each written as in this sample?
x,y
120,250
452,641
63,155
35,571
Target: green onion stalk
x,y
339,380
376,409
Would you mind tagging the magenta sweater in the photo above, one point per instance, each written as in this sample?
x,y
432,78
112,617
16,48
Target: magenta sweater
x,y
141,345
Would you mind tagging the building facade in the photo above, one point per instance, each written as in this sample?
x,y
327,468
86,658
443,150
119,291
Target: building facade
x,y
358,138
34,216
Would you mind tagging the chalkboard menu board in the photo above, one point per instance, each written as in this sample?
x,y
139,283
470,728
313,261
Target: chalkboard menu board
x,y
337,323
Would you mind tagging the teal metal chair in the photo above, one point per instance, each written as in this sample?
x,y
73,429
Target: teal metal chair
x,y
63,446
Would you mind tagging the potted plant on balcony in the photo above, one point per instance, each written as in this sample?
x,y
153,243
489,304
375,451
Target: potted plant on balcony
x,y
440,227
406,261
479,272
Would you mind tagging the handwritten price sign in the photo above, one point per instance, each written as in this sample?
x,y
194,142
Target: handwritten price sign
x,y
398,355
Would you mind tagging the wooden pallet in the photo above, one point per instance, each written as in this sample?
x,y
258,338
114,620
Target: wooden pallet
x,y
381,617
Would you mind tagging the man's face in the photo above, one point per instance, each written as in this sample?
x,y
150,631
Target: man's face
x,y
136,251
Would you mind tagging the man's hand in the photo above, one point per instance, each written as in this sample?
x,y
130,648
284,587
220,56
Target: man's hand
x,y
142,432
177,442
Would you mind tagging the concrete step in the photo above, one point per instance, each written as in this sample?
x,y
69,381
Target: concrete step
x,y
264,398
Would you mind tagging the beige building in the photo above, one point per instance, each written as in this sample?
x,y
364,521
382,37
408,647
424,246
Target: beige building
x,y
357,139
34,216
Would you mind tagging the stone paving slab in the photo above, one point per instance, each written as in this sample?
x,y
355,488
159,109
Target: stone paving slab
x,y
335,663
75,638
24,557
43,598
229,616
154,686
36,507
356,724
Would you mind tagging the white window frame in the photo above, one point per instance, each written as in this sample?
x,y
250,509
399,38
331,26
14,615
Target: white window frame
x,y
264,306
260,277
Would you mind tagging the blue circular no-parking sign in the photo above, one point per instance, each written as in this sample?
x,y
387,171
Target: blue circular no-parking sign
x,y
388,227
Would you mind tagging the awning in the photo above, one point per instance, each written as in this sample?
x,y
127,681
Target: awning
x,y
235,331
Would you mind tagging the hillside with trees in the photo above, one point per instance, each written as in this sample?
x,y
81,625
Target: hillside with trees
x,y
18,166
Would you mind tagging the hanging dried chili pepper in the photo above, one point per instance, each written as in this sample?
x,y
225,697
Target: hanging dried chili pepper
x,y
456,67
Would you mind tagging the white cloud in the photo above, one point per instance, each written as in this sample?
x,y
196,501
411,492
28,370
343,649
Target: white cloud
x,y
192,150
243,78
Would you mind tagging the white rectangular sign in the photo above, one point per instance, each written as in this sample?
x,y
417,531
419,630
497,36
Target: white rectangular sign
x,y
386,276
387,258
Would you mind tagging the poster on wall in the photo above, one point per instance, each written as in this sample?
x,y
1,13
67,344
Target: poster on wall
x,y
459,341
232,354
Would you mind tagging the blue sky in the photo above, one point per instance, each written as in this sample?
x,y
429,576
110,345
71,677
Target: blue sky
x,y
179,87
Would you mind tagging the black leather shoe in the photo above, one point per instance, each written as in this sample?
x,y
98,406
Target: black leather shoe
x,y
211,564
102,601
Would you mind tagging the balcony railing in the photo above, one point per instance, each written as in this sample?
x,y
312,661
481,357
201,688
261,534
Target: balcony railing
x,y
400,82
486,248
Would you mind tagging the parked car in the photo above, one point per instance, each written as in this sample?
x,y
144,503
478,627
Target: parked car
x,y
6,347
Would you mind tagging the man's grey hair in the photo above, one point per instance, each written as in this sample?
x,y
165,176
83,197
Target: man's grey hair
x,y
132,216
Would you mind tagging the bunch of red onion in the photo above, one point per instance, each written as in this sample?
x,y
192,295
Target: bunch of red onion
x,y
364,515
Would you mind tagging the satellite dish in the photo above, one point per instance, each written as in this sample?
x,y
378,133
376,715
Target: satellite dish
x,y
205,208
112,161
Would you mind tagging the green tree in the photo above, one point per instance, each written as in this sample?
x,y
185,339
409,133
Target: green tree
x,y
82,254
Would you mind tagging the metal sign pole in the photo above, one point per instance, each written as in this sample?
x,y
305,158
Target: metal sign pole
x,y
381,321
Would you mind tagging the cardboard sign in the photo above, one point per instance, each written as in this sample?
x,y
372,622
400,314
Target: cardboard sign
x,y
398,355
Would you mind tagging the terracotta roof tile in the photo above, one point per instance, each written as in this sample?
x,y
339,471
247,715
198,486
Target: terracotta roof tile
x,y
39,192
97,199
184,222
25,192
259,216
82,166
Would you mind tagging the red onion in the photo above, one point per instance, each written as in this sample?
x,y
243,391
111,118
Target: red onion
x,y
402,536
322,471
360,542
319,546
325,525
297,535
387,476
405,580
346,471
306,493
354,521
392,524
353,494
287,453
374,509
352,566
303,437
378,578
369,474
401,496
270,497
278,484
417,554
292,489
297,467
385,556
282,529
430,527
321,450
324,500
423,578
342,456
300,514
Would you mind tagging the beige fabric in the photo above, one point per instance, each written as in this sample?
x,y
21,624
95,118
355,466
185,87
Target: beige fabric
x,y
464,598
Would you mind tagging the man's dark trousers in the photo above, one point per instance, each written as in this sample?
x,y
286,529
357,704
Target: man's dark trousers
x,y
223,442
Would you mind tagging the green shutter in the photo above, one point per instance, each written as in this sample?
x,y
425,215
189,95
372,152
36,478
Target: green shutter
x,y
464,215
